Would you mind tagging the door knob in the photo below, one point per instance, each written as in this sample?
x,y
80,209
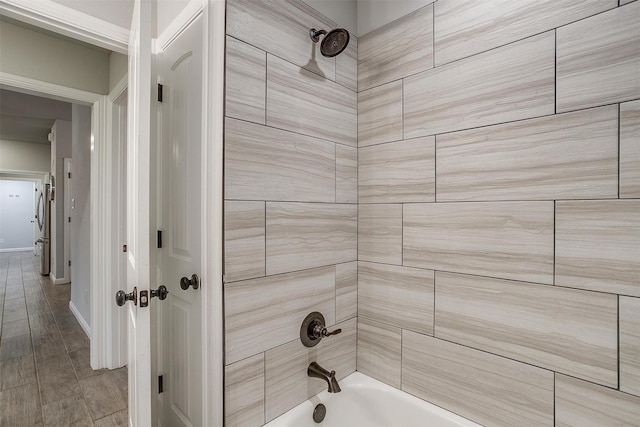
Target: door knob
x,y
161,293
186,282
122,297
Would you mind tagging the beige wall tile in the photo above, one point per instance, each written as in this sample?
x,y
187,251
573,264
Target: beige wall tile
x,y
306,235
485,388
262,163
244,392
281,27
509,83
582,404
398,172
380,233
511,240
398,296
301,101
466,27
347,65
264,313
379,351
346,291
565,156
380,114
346,174
598,245
630,149
630,345
244,240
399,49
286,368
598,59
623,2
532,323
245,84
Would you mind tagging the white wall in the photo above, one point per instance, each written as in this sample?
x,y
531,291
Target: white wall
x,y
80,213
342,12
374,14
24,156
60,148
32,54
17,206
118,67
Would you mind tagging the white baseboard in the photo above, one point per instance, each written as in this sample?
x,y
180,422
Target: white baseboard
x,y
61,281
17,249
80,319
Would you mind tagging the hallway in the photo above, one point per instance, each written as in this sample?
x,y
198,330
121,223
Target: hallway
x,y
45,377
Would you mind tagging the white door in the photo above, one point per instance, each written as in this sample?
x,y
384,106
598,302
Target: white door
x,y
139,214
179,334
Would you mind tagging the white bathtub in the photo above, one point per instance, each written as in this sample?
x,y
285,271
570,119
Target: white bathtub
x,y
365,402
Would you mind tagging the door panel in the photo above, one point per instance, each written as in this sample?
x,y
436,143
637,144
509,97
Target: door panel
x,y
180,72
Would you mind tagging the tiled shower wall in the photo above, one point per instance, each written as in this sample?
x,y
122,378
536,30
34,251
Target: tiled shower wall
x,y
499,209
290,206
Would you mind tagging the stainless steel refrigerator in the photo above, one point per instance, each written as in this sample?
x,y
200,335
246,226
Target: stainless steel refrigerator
x,y
43,214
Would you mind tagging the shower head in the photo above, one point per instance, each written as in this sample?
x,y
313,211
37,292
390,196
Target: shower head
x,y
334,42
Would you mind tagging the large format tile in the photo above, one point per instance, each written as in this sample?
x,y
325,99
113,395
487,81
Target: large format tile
x,y
398,172
346,174
303,102
71,411
347,65
80,360
380,351
380,114
598,59
582,404
398,296
267,312
57,380
106,393
511,240
630,150
630,345
287,382
20,406
245,82
346,291
263,163
119,419
396,50
532,323
307,235
281,27
244,241
565,156
15,346
509,83
485,388
244,392
598,245
380,233
466,27
15,328
17,371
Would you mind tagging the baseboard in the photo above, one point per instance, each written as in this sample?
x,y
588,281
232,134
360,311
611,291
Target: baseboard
x,y
80,319
61,281
17,249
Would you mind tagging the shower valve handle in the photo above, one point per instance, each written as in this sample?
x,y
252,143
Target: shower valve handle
x,y
319,331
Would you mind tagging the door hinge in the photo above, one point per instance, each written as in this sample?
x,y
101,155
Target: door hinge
x,y
160,384
69,219
159,239
124,248
159,92
69,175
69,263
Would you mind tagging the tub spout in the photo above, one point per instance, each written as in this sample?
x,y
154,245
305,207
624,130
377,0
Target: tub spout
x,y
316,371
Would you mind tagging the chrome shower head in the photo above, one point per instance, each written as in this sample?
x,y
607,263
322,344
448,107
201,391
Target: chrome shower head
x,y
334,42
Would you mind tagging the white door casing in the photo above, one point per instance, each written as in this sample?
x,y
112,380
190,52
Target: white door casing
x,y
139,213
67,214
180,68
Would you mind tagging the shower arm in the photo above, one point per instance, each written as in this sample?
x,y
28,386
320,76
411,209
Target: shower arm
x,y
315,34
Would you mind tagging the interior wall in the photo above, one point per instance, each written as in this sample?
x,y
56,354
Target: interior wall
x,y
118,68
343,12
24,156
80,212
39,56
499,235
60,149
290,207
372,14
17,208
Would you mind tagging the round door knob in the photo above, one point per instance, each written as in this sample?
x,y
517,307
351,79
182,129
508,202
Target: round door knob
x,y
161,293
122,297
194,282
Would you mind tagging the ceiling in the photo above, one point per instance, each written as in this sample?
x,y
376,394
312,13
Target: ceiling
x,y
29,118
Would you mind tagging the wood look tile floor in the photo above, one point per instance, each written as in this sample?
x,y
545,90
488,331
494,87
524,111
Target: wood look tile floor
x,y
45,376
